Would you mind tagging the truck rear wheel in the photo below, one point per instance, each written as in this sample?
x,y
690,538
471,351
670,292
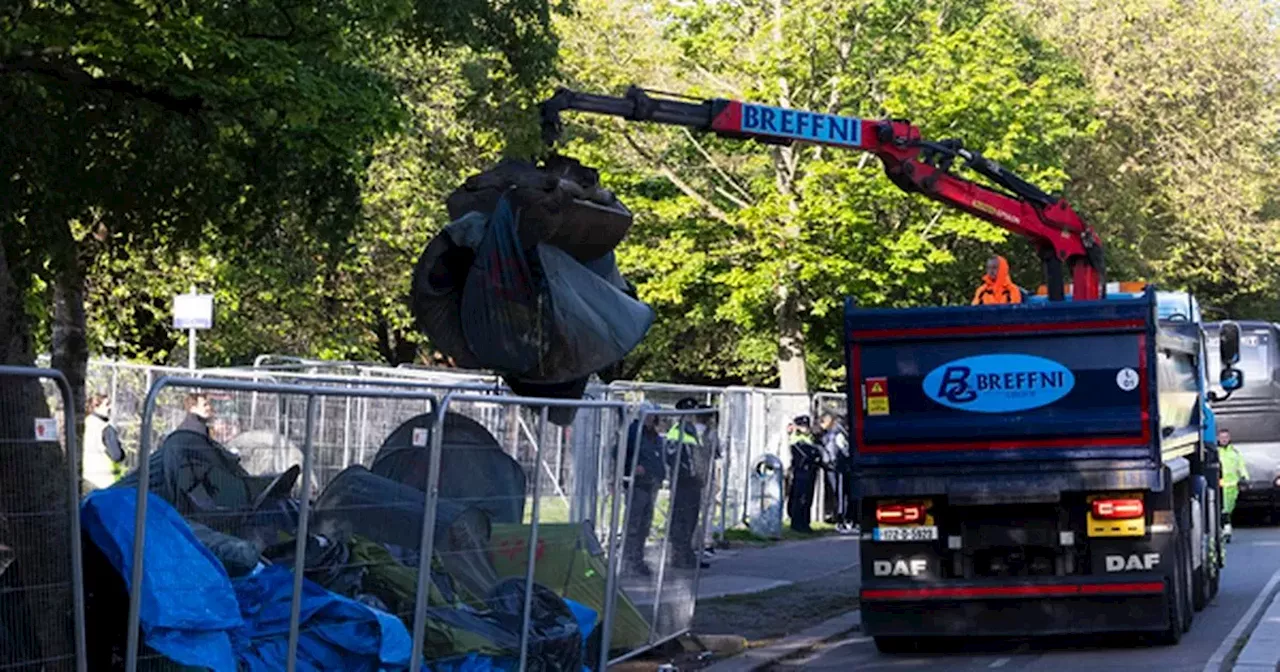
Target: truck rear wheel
x,y
1204,584
1188,567
1179,600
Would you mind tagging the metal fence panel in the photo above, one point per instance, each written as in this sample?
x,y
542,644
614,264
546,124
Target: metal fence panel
x,y
470,575
349,430
42,623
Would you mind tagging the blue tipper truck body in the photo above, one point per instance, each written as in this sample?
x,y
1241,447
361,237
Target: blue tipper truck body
x,y
1032,469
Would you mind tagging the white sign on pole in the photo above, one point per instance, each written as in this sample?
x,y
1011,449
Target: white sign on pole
x,y
193,311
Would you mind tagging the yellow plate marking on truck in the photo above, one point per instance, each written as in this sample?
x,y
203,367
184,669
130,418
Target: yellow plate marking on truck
x,y
1136,527
877,405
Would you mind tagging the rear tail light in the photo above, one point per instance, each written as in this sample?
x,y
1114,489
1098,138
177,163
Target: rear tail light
x,y
1118,509
899,514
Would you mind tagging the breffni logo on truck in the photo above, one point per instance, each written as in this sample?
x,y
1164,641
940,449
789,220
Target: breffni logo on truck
x,y
999,383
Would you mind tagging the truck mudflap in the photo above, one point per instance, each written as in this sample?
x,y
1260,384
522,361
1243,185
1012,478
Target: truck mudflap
x,y
1001,608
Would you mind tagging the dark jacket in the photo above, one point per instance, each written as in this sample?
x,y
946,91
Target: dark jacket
x,y
805,452
686,432
650,458
194,423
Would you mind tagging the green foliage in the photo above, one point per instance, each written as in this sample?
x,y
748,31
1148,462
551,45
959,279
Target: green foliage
x,y
1182,176
728,234
293,158
152,145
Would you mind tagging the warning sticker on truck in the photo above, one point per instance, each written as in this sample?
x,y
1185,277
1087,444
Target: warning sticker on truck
x,y
877,396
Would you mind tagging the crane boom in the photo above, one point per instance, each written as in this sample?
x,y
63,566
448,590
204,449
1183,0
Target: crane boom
x,y
911,162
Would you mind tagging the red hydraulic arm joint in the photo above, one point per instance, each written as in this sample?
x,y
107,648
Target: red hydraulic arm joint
x,y
913,163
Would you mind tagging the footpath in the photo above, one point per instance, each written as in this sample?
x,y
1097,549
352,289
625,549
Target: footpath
x,y
1254,644
754,598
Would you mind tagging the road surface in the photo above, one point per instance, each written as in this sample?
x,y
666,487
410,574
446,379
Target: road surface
x,y
1252,558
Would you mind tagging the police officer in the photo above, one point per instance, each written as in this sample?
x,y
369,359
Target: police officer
x,y
688,464
806,458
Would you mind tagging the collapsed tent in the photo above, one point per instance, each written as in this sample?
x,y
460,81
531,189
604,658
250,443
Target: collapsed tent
x,y
221,548
207,485
474,470
359,502
572,564
193,614
264,452
523,280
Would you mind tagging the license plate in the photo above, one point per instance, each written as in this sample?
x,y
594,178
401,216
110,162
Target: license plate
x,y
920,533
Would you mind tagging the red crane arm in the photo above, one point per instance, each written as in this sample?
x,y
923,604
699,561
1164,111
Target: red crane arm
x,y
913,163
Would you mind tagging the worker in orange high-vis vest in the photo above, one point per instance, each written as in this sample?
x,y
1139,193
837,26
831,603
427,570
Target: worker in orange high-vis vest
x,y
996,287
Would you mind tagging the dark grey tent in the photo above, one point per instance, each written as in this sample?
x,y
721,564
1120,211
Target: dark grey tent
x,y
474,470
359,502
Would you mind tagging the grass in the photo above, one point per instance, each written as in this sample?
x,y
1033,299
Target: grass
x,y
746,536
786,610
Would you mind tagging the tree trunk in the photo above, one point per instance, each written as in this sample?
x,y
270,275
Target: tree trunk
x,y
791,371
35,593
70,351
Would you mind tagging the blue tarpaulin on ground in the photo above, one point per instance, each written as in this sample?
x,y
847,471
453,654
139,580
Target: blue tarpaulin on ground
x,y
337,633
188,606
192,614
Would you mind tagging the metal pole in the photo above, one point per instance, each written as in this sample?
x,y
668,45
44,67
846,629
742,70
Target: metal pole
x,y
115,384
346,435
666,537
191,349
300,543
560,458
617,542
533,544
426,548
704,513
139,527
364,426
726,469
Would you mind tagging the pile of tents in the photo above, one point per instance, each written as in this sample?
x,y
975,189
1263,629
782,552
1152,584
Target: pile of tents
x,y
221,547
523,280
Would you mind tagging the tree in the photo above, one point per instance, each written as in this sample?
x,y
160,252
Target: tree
x,y
1182,174
767,241
142,135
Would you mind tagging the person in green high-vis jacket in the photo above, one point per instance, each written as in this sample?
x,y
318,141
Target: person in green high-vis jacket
x,y
1234,473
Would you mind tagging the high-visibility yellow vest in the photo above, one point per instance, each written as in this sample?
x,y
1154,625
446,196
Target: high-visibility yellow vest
x,y
685,436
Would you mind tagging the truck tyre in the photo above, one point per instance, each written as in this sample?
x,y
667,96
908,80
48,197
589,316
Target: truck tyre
x,y
1188,584
1202,579
1177,596
896,644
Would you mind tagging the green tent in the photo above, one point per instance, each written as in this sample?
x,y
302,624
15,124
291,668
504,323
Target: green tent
x,y
571,563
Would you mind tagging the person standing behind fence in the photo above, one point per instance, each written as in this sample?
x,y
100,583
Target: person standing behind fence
x,y
199,412
102,459
806,456
644,450
685,455
835,449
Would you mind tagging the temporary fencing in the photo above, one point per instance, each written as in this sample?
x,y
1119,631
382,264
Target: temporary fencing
x,y
753,422
460,547
42,619
657,557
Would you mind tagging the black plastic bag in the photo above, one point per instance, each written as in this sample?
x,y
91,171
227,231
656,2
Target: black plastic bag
x,y
595,323
504,307
555,640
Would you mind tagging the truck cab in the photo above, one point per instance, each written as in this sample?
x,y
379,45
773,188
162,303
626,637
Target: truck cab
x,y
1253,413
